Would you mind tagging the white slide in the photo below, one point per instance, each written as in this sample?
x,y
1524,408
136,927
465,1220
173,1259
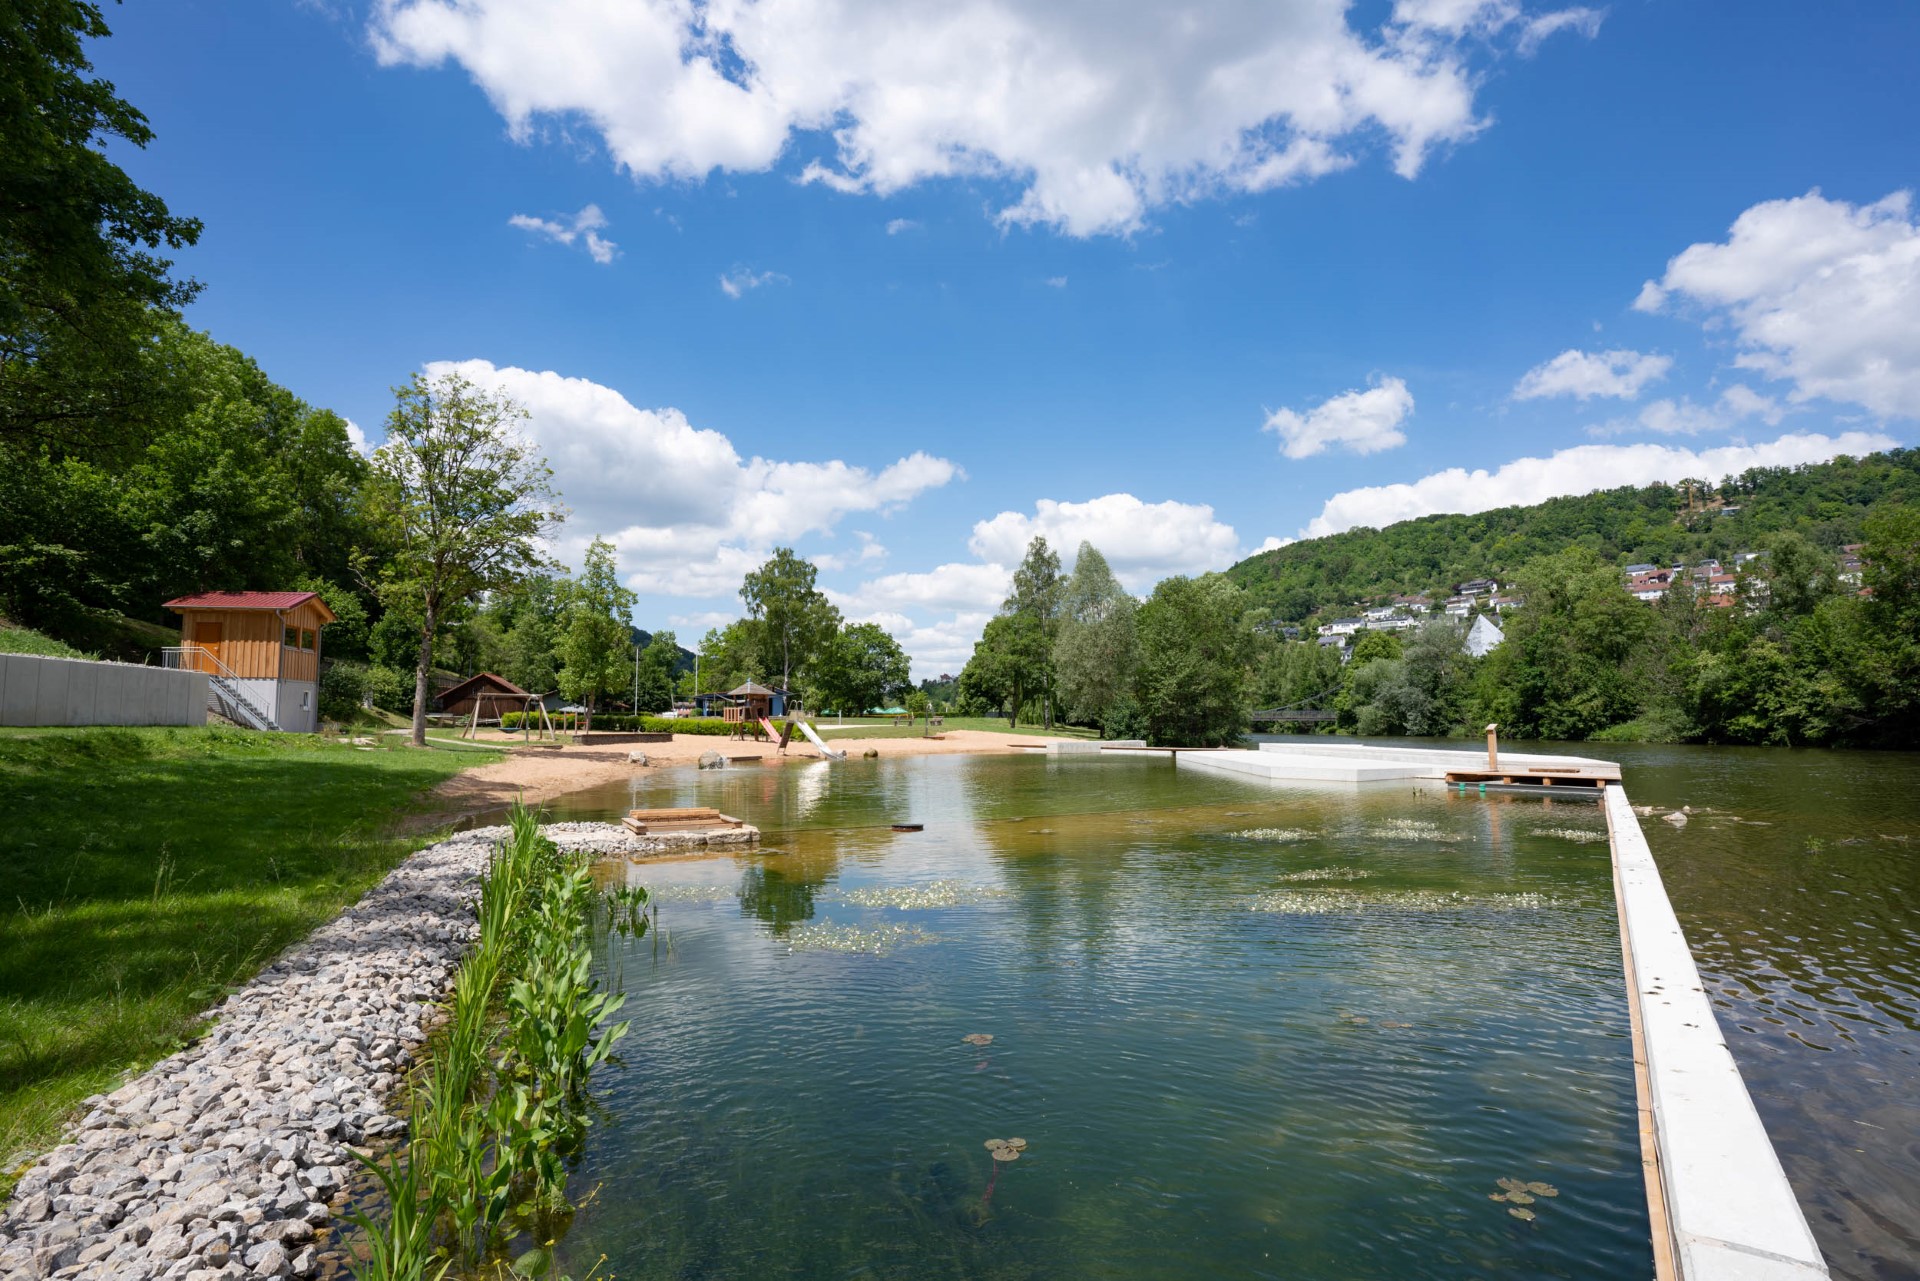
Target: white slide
x,y
819,742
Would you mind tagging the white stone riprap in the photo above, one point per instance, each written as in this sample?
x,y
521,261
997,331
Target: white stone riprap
x,y
230,1158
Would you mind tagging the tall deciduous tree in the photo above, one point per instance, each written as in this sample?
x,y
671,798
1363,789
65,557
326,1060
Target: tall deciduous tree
x,y
862,667
1037,587
795,618
1192,682
463,503
596,636
1008,664
1096,651
82,288
653,683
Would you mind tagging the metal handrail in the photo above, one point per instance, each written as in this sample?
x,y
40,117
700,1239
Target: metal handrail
x,y
187,657
205,655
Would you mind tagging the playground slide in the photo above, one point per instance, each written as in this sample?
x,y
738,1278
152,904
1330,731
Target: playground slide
x,y
820,743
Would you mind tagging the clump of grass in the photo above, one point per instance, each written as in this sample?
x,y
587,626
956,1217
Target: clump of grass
x,y
1351,902
1327,874
873,940
1408,829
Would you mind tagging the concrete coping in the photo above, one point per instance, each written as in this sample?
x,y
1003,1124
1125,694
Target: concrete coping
x,y
1715,1183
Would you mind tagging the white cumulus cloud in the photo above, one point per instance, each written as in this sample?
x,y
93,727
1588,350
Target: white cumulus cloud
x,y
1095,114
1586,374
357,439
688,515
1362,422
1143,542
899,226
1581,469
1818,292
584,226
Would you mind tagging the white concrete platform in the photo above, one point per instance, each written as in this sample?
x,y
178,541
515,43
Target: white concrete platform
x,y
1319,760
1715,1181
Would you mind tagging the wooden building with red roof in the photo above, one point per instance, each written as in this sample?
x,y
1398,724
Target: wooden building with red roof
x,y
262,651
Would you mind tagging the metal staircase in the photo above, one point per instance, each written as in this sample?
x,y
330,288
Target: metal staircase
x,y
224,694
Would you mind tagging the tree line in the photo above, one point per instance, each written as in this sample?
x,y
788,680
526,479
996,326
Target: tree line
x,y
1805,656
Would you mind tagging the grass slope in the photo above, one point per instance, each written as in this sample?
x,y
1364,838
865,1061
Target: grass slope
x,y
22,640
149,870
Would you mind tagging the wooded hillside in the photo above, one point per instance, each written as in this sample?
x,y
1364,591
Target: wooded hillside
x,y
1827,503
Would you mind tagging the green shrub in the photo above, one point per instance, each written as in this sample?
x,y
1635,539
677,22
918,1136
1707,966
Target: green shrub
x,y
613,723
392,690
342,687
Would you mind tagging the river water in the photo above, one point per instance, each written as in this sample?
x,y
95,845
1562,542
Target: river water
x,y
1245,1030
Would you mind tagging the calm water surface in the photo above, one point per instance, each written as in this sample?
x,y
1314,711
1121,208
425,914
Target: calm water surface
x,y
1221,1068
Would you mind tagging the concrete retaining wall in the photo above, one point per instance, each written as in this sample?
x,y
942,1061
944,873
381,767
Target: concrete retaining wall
x,y
35,690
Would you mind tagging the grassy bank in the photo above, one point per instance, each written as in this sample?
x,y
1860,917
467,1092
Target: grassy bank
x,y
152,869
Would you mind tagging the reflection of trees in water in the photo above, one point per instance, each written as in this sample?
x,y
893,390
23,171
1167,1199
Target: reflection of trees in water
x,y
778,896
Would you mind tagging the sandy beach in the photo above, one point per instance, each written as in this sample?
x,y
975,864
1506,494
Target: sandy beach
x,y
538,773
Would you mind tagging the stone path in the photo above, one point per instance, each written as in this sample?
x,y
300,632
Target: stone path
x,y
229,1159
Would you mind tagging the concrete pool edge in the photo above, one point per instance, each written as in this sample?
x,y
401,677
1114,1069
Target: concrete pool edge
x,y
1716,1184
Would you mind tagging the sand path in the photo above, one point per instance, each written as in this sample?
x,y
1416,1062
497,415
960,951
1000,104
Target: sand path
x,y
537,774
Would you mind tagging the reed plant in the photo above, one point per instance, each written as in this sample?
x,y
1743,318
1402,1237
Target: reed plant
x,y
501,1107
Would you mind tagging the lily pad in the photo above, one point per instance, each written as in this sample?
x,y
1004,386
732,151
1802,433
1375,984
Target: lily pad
x,y
1018,1145
1520,1198
994,1145
1511,1185
1496,1196
1543,1189
1006,1154
978,1038
1525,1216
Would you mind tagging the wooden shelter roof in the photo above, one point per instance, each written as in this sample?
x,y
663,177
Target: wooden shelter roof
x,y
250,600
454,693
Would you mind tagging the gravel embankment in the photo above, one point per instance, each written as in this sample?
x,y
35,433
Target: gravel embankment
x,y
229,1159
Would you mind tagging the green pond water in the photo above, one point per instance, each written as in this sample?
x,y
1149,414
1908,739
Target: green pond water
x,y
1245,1031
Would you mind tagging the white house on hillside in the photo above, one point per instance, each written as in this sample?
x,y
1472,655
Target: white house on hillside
x,y
1483,636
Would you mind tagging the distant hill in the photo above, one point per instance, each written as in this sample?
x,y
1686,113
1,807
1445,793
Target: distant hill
x,y
1660,524
684,663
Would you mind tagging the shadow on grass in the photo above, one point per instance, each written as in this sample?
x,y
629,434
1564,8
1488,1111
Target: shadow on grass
x,y
149,871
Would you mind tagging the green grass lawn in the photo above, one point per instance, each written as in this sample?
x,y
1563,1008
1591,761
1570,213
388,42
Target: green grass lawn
x,y
150,870
883,727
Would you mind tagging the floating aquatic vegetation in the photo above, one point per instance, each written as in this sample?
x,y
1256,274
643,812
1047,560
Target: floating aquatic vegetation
x,y
1520,1193
1391,1023
978,1038
1006,1149
1341,902
870,940
1327,874
694,893
1273,834
911,898
1579,835
1407,829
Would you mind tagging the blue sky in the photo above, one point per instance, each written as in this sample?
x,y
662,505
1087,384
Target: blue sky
x,y
901,284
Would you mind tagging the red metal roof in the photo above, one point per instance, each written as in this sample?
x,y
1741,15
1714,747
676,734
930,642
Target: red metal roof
x,y
242,600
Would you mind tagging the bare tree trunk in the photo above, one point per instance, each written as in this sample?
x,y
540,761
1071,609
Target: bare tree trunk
x,y
420,681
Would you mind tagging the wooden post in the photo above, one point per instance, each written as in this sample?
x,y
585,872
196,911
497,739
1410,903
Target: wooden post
x,y
1493,749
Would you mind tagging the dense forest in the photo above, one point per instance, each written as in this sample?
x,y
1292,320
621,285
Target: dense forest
x,y
1687,521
